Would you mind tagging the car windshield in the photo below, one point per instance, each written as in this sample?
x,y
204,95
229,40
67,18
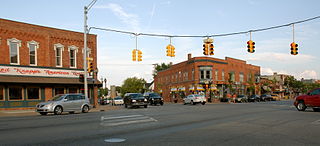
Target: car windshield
x,y
58,97
197,95
117,98
135,95
154,95
240,96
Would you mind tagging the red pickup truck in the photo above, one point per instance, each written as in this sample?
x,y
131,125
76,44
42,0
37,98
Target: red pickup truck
x,y
312,99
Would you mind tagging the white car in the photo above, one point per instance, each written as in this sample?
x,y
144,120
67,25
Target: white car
x,y
194,99
118,101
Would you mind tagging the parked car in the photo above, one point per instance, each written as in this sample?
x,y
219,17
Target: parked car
x,y
104,101
241,98
254,98
275,97
154,98
311,99
194,99
135,99
117,101
64,103
266,97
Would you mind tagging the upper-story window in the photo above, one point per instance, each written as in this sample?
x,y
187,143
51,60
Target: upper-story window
x,y
192,74
241,77
58,48
216,75
222,75
33,46
14,45
73,56
205,73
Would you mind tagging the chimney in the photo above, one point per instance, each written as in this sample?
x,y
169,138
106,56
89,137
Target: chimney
x,y
189,56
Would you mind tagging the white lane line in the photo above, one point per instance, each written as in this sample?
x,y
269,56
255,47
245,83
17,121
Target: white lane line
x,y
131,122
317,122
119,117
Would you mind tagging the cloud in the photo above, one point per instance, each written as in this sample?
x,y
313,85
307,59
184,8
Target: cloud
x,y
280,57
127,18
308,74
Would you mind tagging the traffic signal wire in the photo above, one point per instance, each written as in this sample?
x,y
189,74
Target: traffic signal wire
x,y
202,36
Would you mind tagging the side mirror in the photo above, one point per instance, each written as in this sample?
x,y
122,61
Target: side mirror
x,y
65,99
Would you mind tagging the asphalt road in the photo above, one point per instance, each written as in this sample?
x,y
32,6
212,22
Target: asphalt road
x,y
265,123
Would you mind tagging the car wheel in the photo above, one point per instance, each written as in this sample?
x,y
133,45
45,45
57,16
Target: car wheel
x,y
203,103
316,109
85,109
301,106
161,103
125,106
71,112
191,102
43,113
145,106
58,110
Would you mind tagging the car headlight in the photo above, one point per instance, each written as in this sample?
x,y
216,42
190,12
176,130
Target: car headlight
x,y
146,99
161,98
48,105
134,100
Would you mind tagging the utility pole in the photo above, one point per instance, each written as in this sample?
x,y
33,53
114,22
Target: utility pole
x,y
86,9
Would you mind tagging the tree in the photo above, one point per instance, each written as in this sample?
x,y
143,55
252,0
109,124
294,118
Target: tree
x,y
133,85
103,92
160,67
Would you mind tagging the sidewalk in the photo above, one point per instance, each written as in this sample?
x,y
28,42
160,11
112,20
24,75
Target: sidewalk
x,y
31,112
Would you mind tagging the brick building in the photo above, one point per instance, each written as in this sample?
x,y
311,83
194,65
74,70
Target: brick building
x,y
212,76
39,62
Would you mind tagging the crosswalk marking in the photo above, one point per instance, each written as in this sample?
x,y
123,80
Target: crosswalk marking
x,y
125,120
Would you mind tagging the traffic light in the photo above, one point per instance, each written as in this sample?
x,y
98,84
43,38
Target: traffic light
x,y
139,55
211,49
173,51
205,49
170,50
251,46
81,78
90,66
134,55
294,48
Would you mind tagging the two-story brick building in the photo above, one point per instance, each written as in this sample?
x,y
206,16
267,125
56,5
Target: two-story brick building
x,y
210,75
39,62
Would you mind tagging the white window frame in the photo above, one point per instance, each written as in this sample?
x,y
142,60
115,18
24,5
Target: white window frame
x,y
36,48
55,52
14,40
75,48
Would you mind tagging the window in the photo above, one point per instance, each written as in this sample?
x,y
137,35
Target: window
x,y
315,92
58,54
15,93
208,74
33,46
73,90
222,75
33,93
216,75
1,93
202,74
14,45
205,73
58,91
73,56
241,77
192,74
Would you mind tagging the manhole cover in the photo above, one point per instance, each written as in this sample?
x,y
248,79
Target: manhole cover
x,y
113,140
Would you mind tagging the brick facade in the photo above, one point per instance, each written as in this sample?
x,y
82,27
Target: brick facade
x,y
190,76
46,38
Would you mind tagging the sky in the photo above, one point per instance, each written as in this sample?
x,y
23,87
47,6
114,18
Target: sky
x,y
181,17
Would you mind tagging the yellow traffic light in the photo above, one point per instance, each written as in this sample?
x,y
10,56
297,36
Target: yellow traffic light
x,y
170,50
251,46
173,51
90,66
139,55
205,49
211,49
134,55
294,48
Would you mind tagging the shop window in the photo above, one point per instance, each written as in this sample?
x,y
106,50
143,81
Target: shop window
x,y
73,90
1,93
33,46
14,45
33,93
58,91
15,93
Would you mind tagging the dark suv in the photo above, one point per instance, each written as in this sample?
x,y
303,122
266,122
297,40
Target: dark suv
x,y
135,99
312,99
154,98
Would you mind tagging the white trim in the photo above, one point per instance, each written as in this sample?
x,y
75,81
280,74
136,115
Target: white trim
x,y
14,40
55,52
73,47
36,48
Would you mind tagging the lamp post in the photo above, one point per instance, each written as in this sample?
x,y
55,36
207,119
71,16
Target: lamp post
x,y
86,10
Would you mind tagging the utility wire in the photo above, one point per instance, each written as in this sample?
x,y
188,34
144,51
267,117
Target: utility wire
x,y
202,36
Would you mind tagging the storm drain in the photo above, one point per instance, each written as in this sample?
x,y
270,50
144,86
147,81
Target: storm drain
x,y
114,140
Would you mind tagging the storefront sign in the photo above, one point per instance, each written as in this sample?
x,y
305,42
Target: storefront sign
x,y
39,72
